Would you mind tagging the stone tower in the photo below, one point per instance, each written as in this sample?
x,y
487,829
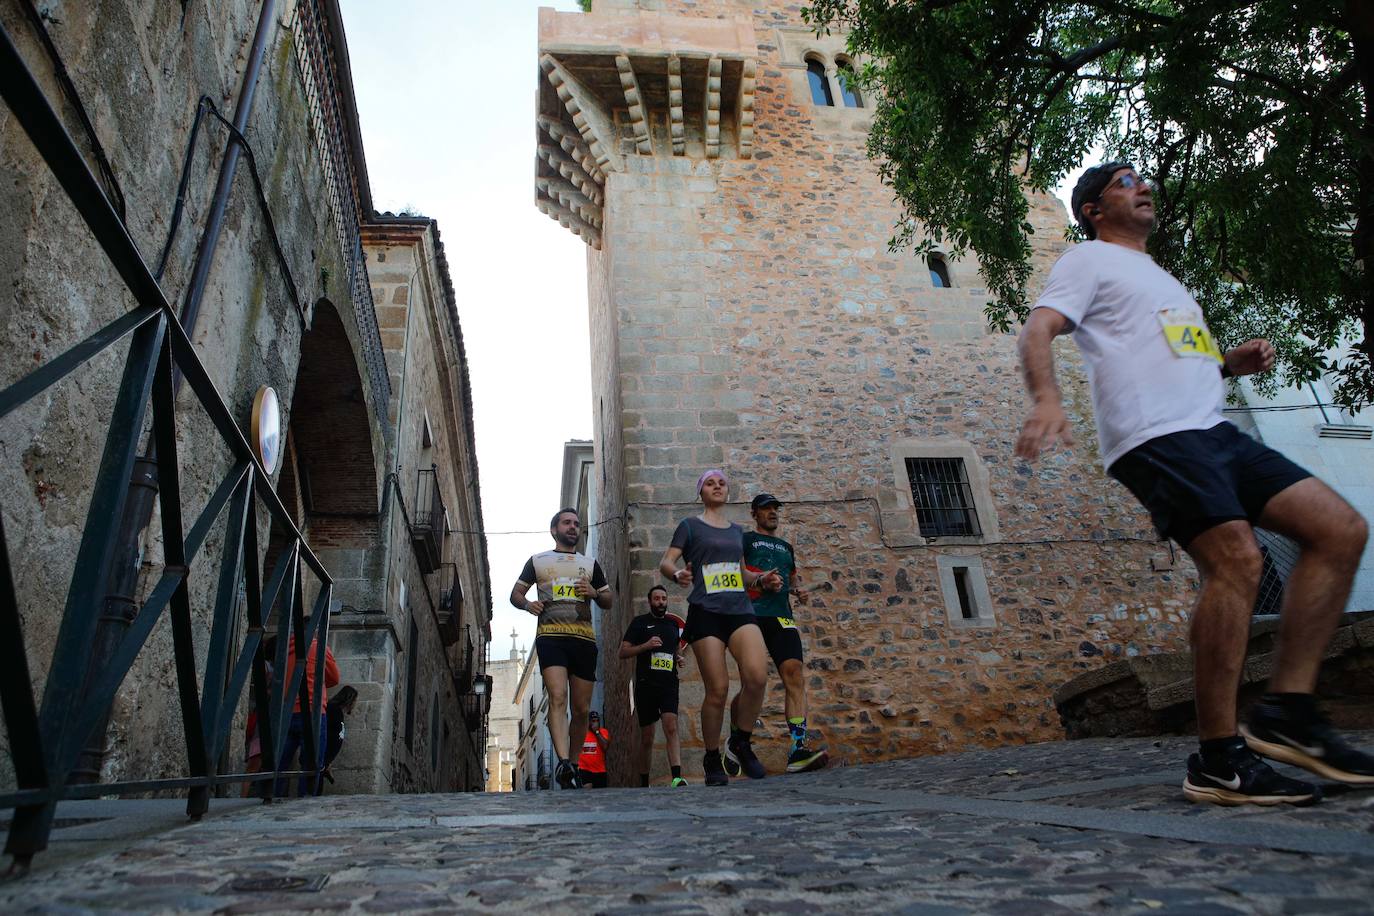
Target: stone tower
x,y
746,313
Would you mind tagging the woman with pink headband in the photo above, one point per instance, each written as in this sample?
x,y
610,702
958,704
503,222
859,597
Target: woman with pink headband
x,y
720,616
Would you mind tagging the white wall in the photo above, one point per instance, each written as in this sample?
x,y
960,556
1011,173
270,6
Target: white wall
x,y
1347,465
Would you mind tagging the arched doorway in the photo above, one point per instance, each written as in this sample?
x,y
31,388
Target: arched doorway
x,y
329,479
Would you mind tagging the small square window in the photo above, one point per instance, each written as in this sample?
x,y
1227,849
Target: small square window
x,y
942,497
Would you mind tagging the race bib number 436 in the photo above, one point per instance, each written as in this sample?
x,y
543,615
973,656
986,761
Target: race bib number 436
x,y
565,590
1188,336
722,577
661,661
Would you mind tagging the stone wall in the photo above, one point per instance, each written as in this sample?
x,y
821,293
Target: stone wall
x,y
758,322
140,70
431,418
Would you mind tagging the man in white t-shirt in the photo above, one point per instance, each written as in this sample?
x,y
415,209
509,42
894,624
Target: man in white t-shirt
x,y
1157,389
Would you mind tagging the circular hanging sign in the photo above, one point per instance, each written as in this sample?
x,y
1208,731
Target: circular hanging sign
x,y
265,434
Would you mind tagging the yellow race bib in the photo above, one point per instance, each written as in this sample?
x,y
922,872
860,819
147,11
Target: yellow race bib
x,y
722,577
787,623
662,661
1188,336
564,590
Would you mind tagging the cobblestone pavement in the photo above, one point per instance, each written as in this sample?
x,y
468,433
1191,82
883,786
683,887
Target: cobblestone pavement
x,y
1063,827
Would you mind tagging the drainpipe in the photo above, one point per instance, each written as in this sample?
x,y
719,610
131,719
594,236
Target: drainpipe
x,y
120,605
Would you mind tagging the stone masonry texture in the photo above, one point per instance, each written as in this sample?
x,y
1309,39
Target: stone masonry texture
x,y
748,314
140,70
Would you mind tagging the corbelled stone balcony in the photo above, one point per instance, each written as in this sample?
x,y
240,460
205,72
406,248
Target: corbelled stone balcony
x,y
619,84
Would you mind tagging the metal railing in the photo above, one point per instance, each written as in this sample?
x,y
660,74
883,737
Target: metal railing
x,y
45,740
430,524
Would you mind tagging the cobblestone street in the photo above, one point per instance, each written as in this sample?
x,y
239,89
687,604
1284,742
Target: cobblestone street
x,y
1092,825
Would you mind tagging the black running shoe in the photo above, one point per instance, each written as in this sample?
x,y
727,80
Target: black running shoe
x,y
1299,734
1244,779
712,769
731,761
566,775
740,753
804,760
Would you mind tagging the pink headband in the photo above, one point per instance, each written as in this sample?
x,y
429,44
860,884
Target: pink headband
x,y
713,472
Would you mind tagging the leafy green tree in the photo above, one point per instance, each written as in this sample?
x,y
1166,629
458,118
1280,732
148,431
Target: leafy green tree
x,y
1255,118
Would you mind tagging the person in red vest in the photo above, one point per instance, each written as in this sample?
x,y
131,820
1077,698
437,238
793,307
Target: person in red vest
x,y
591,765
296,730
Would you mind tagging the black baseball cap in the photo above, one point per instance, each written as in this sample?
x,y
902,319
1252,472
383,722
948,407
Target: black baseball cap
x,y
1090,186
762,500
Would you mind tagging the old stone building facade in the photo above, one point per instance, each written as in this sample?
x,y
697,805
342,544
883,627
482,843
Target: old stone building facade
x,y
362,347
746,313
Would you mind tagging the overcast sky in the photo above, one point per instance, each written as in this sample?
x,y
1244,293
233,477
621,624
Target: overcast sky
x,y
446,95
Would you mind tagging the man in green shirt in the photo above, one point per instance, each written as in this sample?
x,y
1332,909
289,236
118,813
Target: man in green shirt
x,y
764,550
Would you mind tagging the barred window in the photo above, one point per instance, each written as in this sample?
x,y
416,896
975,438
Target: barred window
x,y
1280,556
943,499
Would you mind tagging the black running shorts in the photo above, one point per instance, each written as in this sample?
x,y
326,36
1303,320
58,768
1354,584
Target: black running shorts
x,y
1196,479
652,700
702,623
577,655
783,639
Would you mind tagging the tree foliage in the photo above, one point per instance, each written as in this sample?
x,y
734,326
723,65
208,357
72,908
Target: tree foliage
x,y
1252,117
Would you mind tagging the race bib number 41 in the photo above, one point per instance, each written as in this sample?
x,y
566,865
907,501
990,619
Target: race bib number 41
x,y
565,590
1187,336
661,661
722,577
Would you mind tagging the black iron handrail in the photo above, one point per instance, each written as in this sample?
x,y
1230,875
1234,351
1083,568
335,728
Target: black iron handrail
x,y
45,742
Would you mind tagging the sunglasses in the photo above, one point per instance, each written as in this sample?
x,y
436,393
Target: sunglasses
x,y
1127,182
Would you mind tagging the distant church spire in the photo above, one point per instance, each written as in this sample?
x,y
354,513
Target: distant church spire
x,y
514,652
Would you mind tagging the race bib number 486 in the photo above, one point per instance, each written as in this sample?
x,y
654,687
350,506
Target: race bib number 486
x,y
1188,336
722,577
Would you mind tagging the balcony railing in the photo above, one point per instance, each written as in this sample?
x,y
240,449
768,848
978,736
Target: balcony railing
x,y
464,669
450,604
429,525
46,737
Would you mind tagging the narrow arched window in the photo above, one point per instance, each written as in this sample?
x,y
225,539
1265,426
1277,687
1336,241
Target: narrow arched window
x,y
939,272
820,84
849,86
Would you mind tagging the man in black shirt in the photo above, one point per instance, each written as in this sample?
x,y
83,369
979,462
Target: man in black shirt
x,y
652,640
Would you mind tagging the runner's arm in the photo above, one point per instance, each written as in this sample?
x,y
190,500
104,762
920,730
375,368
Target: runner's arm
x,y
1047,421
667,567
517,598
1249,358
604,596
629,650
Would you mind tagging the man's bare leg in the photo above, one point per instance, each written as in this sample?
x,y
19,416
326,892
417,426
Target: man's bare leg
x,y
1331,536
556,686
581,692
1286,724
672,739
1230,563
